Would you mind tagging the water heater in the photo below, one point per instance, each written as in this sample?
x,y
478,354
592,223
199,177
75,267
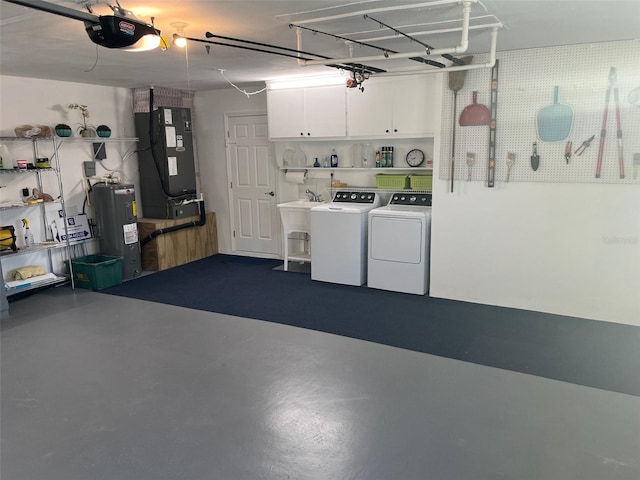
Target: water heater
x,y
117,225
166,162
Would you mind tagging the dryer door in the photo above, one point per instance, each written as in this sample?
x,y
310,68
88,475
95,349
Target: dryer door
x,y
396,239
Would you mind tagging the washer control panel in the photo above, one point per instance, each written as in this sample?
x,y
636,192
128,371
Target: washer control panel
x,y
355,197
403,198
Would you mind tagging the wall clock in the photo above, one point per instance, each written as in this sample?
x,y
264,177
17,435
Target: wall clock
x,y
415,157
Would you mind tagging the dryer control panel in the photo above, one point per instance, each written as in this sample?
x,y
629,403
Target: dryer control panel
x,y
355,197
402,198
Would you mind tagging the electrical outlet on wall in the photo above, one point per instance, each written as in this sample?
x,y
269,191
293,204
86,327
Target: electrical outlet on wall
x,y
89,169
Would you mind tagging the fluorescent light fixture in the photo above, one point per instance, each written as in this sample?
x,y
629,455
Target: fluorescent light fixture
x,y
311,81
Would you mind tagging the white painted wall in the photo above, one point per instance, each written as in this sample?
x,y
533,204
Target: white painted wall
x,y
209,133
546,241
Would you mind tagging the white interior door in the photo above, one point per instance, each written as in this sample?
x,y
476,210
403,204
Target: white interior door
x,y
252,182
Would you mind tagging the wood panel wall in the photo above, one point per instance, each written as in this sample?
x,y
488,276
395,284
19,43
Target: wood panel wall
x,y
180,247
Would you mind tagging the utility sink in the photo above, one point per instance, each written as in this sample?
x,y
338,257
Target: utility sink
x,y
299,204
295,215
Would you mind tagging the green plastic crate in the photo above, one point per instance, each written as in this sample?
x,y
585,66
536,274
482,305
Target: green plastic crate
x,y
421,182
392,182
97,271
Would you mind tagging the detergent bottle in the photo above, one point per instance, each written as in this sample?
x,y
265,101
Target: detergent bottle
x,y
334,158
28,236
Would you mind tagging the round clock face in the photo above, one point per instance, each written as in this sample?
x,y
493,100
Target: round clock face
x,y
415,157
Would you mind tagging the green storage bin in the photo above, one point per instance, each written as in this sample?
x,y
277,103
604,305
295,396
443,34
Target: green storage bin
x,y
421,182
392,182
97,271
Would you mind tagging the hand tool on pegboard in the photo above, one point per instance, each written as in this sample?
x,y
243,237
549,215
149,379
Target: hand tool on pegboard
x,y
567,151
636,165
554,122
535,158
475,114
511,159
491,176
613,77
580,150
471,158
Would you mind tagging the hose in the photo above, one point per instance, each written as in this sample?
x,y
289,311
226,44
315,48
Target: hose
x,y
161,231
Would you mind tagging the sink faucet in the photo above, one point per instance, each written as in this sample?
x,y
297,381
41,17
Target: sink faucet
x,y
312,196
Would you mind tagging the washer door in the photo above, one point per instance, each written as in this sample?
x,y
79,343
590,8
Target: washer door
x,y
395,239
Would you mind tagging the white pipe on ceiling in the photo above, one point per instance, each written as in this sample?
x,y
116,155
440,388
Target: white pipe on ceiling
x,y
461,48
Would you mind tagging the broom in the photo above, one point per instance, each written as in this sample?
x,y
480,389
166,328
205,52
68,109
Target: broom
x,y
456,82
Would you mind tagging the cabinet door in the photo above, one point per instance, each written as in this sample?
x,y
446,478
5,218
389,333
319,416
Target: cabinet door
x,y
369,112
415,105
325,109
286,113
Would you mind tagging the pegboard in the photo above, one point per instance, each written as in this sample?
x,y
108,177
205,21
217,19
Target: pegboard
x,y
526,84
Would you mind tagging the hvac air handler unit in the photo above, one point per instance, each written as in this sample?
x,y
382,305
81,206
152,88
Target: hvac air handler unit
x,y
166,163
117,225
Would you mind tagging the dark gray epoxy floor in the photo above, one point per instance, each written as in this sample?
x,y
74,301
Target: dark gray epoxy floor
x,y
102,387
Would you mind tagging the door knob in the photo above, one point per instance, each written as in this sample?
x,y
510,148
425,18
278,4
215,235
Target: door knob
x,y
270,193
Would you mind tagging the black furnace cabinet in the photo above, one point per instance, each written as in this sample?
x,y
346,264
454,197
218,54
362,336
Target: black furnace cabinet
x,y
166,163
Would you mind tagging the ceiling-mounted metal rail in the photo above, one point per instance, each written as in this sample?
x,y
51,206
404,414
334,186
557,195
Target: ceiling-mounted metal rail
x,y
449,57
357,42
348,66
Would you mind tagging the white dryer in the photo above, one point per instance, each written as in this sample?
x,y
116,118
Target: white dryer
x,y
339,235
399,243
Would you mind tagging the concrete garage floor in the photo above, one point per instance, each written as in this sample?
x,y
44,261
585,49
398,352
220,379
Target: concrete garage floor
x,y
102,387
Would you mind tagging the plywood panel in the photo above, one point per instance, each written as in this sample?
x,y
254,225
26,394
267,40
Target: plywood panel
x,y
180,247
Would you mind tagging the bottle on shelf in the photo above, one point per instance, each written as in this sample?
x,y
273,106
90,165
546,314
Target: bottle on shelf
x,y
28,236
378,162
334,158
316,163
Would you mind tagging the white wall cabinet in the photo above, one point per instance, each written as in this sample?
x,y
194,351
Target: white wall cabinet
x,y
310,112
406,106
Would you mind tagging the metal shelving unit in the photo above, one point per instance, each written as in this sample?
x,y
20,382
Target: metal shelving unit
x,y
49,244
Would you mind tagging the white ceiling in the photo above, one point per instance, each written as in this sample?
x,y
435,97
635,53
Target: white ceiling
x,y
43,45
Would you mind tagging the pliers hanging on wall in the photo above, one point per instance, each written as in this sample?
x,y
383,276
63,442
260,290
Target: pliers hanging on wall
x,y
603,133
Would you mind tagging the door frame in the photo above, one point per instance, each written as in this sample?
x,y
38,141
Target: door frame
x,y
272,165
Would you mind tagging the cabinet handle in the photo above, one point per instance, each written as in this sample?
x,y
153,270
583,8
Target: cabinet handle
x,y
395,130
387,130
308,133
302,133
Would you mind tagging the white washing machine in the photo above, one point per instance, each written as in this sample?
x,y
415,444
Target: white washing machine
x,y
339,235
399,243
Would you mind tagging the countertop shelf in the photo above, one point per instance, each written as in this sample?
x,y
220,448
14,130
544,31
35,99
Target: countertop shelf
x,y
360,169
